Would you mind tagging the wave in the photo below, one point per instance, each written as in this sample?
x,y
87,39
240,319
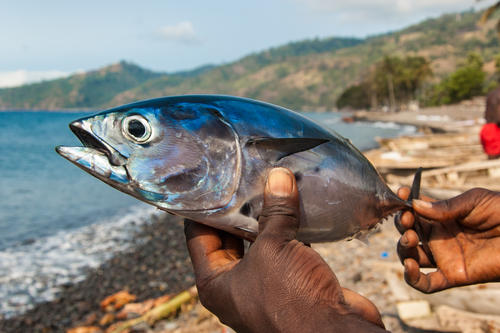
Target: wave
x,y
396,126
33,273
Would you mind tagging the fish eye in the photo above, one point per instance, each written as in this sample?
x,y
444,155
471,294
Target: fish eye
x,y
136,128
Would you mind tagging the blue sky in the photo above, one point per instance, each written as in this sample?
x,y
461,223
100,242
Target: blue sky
x,y
51,38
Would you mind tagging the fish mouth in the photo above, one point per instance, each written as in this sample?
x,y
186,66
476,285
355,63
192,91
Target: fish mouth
x,y
96,156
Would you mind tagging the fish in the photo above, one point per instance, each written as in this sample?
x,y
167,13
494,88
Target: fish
x,y
207,157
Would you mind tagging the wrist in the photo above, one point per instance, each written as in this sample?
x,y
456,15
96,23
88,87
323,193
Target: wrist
x,y
328,319
317,319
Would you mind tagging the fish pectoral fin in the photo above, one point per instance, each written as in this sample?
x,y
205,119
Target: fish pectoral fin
x,y
274,149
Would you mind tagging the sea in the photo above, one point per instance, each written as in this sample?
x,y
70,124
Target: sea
x,y
56,221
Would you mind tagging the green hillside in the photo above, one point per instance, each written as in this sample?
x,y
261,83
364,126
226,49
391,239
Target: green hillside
x,y
86,90
309,74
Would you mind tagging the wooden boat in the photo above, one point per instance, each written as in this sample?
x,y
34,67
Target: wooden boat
x,y
453,163
429,151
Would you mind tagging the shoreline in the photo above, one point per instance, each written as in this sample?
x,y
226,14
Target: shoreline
x,y
443,119
156,265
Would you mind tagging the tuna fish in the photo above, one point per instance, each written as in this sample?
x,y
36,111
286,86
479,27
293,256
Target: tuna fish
x,y
206,158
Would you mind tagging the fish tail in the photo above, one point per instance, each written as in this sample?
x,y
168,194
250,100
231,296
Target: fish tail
x,y
415,187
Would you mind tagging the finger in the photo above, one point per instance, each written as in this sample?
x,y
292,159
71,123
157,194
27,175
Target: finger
x,y
426,198
404,221
426,283
409,239
280,213
404,192
362,306
397,223
205,247
408,247
233,245
451,209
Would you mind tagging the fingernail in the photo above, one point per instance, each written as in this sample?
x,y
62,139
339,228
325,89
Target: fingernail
x,y
280,182
404,241
422,204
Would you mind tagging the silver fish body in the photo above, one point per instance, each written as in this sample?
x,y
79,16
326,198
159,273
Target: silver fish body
x,y
206,157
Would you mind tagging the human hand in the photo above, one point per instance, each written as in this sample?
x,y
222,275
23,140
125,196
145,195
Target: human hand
x,y
280,284
460,237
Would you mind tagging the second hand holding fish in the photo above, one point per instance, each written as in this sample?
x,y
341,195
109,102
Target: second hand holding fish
x,y
460,237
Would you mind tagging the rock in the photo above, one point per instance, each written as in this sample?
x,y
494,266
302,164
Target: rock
x,y
413,309
90,319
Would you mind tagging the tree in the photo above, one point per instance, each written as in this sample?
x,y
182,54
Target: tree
x,y
466,82
356,97
397,80
488,13
393,80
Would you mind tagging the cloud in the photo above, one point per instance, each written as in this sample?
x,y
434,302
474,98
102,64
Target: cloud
x,y
20,77
181,32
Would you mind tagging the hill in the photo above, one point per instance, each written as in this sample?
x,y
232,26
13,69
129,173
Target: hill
x,y
85,90
309,74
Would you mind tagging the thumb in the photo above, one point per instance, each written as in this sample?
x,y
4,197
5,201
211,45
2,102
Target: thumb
x,y
280,212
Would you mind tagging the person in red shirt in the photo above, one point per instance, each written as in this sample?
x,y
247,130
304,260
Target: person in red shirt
x,y
490,133
490,139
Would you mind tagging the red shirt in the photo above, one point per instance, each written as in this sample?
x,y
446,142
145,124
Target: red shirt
x,y
490,138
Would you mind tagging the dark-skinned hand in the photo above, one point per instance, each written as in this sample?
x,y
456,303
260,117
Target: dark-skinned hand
x,y
460,237
280,284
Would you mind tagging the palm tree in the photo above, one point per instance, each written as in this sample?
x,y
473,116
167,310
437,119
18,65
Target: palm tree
x,y
488,13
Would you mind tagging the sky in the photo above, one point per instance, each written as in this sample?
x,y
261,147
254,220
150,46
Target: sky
x,y
54,38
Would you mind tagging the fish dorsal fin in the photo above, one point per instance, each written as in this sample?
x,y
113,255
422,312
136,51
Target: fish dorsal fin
x,y
274,149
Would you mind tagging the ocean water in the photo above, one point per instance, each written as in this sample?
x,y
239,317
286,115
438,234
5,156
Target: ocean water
x,y
56,221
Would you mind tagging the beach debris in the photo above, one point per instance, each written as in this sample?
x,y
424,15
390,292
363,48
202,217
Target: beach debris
x,y
159,312
161,300
448,319
116,301
85,329
469,309
107,319
207,158
90,319
136,309
413,309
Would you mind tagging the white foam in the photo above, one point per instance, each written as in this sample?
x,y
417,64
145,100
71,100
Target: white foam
x,y
33,273
386,125
423,117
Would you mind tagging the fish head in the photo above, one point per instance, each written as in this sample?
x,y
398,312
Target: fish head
x,y
176,156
